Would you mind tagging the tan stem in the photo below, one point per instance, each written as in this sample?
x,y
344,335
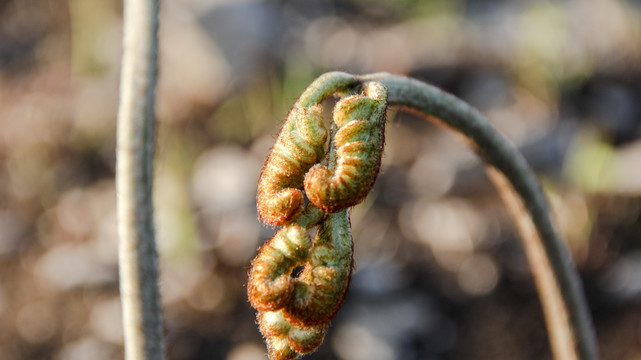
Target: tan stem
x,y
556,315
138,260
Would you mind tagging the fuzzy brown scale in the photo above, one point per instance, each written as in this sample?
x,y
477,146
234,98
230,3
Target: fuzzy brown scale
x,y
359,145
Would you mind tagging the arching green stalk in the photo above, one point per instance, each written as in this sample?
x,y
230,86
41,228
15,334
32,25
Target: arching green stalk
x,y
566,312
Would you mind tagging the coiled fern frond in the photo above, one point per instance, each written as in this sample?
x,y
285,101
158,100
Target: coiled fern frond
x,y
334,170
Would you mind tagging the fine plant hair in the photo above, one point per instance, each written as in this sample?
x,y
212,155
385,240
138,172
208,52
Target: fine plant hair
x,y
294,311
138,261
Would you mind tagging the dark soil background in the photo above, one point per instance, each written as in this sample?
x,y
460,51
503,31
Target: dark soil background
x,y
440,273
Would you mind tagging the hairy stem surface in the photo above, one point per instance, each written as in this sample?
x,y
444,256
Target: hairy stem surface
x,y
566,313
138,260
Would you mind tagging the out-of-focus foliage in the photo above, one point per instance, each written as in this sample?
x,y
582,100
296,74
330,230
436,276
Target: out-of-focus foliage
x,y
439,273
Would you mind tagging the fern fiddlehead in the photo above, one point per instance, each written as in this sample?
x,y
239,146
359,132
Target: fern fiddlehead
x,y
293,312
359,140
299,146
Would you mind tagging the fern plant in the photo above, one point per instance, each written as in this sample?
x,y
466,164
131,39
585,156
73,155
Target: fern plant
x,y
294,310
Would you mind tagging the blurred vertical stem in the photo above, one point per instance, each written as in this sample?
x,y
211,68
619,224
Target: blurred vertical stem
x,y
566,313
138,259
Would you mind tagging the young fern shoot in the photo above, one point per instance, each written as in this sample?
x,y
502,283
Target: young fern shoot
x,y
358,141
294,311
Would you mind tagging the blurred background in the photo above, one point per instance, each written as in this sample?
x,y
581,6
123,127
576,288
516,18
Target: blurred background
x,y
440,273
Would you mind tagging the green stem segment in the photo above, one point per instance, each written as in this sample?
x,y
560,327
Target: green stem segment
x,y
138,260
570,327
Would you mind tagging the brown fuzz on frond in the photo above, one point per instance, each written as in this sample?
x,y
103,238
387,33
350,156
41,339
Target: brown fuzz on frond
x,y
359,146
286,341
270,283
294,311
320,288
300,145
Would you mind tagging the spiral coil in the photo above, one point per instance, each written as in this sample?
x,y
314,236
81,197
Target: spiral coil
x,y
294,310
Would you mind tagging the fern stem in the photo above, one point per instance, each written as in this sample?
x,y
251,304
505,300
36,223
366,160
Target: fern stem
x,y
138,260
570,327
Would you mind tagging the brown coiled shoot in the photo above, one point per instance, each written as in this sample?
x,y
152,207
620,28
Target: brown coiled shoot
x,y
294,310
300,145
360,120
